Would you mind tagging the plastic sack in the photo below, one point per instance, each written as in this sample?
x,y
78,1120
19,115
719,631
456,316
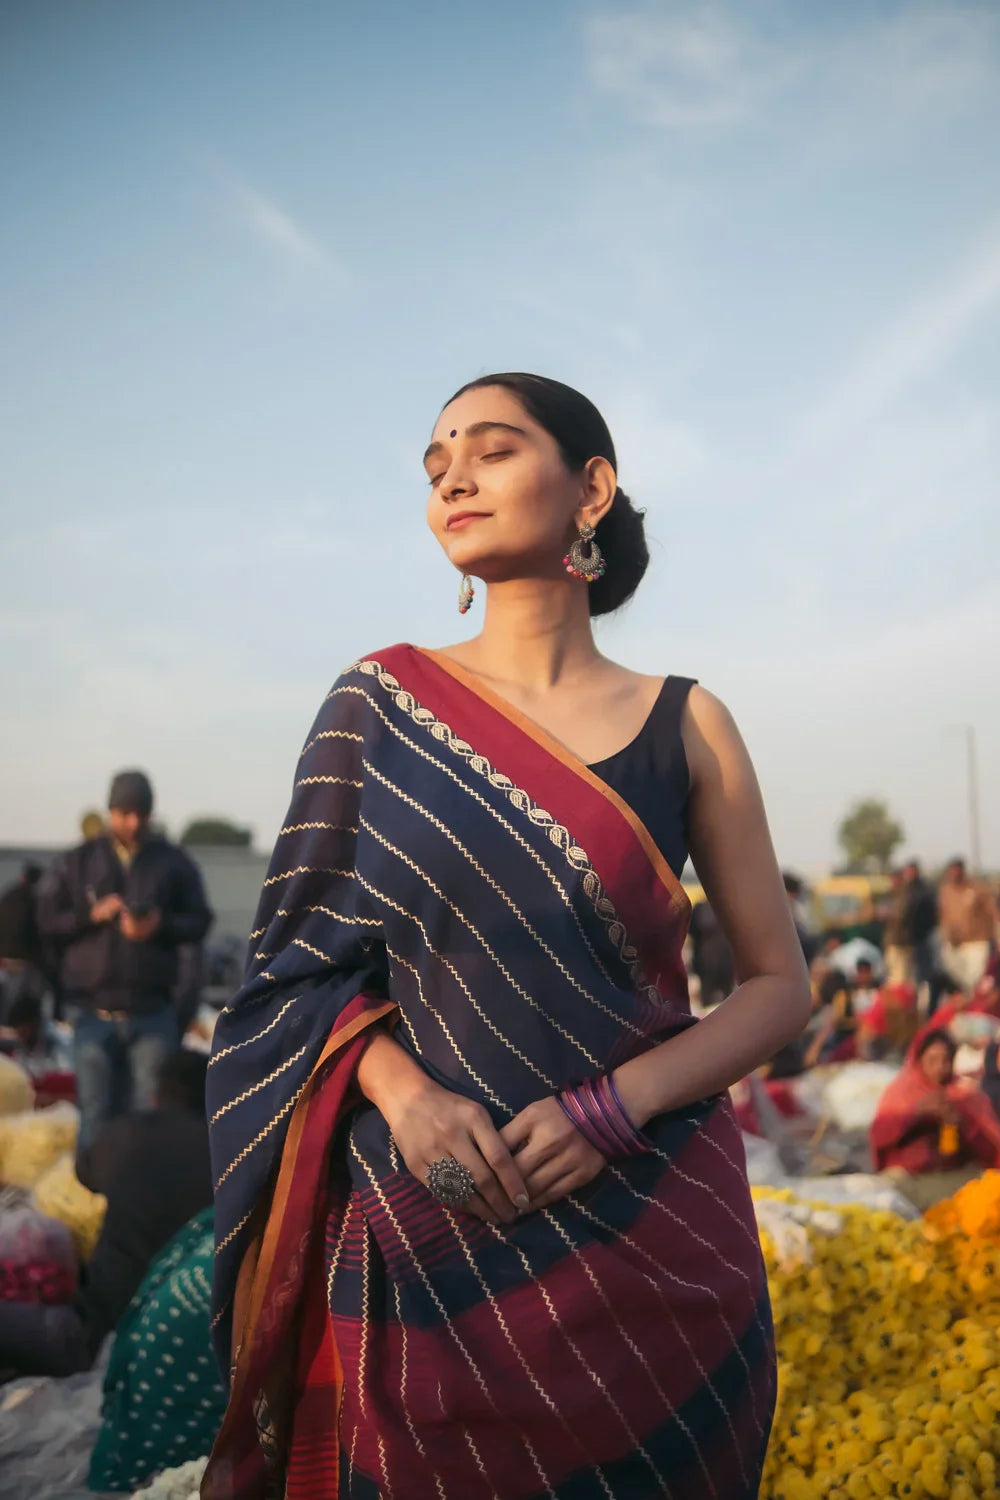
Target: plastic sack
x,y
47,1429
852,1095
37,1254
16,1092
30,1143
61,1194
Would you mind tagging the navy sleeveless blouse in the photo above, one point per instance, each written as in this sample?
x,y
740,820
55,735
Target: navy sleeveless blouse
x,y
651,774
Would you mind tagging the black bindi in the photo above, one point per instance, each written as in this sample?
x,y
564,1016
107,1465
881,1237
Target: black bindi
x,y
453,432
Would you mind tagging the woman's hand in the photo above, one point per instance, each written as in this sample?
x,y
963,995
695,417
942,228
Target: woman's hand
x,y
552,1155
937,1107
429,1122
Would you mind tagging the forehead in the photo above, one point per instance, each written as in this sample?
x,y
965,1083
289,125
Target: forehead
x,y
488,404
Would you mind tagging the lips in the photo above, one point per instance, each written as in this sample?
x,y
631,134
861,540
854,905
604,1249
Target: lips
x,y
465,517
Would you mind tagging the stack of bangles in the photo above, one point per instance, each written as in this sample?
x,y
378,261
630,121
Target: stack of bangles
x,y
595,1108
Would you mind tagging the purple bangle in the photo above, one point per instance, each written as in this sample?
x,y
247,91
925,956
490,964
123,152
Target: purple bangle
x,y
595,1108
595,1126
580,1122
638,1141
595,1098
615,1113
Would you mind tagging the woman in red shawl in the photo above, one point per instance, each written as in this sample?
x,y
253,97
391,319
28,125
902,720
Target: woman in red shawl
x,y
930,1131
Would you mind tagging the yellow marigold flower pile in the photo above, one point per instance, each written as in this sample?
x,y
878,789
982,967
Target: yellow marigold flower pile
x,y
888,1335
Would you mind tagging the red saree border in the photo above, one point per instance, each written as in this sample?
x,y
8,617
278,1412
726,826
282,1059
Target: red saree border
x,y
648,907
547,742
284,1237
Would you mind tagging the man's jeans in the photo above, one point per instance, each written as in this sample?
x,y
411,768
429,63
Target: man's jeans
x,y
118,1062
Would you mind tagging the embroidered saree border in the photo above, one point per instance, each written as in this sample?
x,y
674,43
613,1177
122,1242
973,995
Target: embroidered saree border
x,y
547,742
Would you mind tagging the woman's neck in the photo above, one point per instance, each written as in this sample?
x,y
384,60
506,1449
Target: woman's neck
x,y
536,634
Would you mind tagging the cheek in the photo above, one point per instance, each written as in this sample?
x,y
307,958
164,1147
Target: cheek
x,y
530,506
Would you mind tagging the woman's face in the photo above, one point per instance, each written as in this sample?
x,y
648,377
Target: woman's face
x,y
936,1063
502,501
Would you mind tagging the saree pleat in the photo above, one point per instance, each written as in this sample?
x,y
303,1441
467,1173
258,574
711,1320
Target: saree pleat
x,y
447,869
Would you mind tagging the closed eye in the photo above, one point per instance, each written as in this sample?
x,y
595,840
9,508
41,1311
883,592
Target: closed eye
x,y
500,453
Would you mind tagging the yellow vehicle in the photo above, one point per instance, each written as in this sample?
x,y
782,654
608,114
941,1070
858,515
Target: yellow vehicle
x,y
851,905
694,892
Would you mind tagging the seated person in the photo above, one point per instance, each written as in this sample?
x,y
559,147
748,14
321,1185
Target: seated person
x,y
889,1025
930,1132
163,1394
153,1168
846,1003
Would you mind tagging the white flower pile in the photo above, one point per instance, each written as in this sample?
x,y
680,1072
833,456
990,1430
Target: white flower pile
x,y
788,1222
182,1483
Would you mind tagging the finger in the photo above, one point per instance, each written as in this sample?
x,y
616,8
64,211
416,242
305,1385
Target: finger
x,y
479,1209
476,1204
537,1153
489,1195
516,1133
547,1176
564,1185
504,1172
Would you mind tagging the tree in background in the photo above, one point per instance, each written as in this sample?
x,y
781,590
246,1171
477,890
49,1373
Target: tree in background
x,y
868,835
216,831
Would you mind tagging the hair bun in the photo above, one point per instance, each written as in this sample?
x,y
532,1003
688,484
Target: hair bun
x,y
621,536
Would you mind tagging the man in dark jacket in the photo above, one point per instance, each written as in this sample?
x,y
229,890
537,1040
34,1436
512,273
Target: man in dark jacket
x,y
122,905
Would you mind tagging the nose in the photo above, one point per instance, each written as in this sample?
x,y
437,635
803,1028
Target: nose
x,y
456,485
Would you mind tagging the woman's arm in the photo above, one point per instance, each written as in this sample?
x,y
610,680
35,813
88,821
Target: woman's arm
x,y
732,852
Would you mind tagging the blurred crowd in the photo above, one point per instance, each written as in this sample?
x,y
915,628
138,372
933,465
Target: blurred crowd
x,y
906,1005
105,1185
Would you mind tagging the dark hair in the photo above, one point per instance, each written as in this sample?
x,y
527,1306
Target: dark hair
x,y
936,1036
793,885
181,1081
25,1011
582,433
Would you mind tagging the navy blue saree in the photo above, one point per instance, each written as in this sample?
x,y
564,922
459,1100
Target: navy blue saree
x,y
449,870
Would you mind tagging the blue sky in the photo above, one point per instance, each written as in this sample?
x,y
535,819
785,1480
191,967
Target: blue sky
x,y
250,249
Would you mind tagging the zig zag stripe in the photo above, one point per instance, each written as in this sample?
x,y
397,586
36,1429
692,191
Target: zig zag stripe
x,y
255,1088
393,849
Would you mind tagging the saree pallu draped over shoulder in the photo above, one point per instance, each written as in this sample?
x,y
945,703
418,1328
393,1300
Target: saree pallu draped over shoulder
x,y
449,870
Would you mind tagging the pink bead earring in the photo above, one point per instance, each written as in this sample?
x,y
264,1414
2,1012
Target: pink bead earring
x,y
466,594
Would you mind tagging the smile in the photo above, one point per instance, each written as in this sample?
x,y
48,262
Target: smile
x,y
465,518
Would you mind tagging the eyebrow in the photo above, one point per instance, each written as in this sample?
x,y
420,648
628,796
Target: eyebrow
x,y
476,430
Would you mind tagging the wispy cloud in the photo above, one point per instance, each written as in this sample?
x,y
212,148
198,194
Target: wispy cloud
x,y
706,66
678,66
275,227
920,338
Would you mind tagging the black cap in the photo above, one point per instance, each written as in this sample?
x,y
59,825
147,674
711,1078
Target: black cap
x,y
131,791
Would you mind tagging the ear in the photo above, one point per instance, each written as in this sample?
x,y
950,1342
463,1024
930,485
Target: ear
x,y
599,483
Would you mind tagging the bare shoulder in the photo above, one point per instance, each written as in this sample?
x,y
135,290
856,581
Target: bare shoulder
x,y
712,742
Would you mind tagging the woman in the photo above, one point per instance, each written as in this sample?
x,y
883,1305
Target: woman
x,y
483,1222
931,1132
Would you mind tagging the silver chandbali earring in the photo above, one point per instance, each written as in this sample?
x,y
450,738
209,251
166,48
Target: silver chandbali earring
x,y
585,559
466,594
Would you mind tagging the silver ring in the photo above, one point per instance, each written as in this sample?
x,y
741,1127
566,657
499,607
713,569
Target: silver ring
x,y
450,1182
